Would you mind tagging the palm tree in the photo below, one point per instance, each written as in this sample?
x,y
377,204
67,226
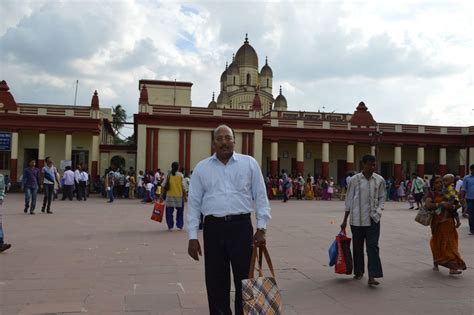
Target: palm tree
x,y
119,117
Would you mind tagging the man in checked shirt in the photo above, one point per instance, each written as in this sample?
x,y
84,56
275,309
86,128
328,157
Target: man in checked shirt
x,y
364,203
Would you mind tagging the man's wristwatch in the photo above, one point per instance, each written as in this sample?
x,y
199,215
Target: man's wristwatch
x,y
263,230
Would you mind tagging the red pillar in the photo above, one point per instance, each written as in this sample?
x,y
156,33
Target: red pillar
x,y
274,168
13,169
443,169
420,170
250,144
349,167
325,169
244,143
300,167
397,170
149,149
462,171
94,169
182,140
187,161
155,148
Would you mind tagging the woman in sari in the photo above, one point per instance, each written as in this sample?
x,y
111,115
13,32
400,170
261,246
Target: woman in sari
x,y
444,240
308,190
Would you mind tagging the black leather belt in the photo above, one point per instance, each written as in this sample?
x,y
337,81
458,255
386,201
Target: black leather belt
x,y
227,218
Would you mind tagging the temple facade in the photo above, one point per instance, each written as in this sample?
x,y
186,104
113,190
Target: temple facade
x,y
168,128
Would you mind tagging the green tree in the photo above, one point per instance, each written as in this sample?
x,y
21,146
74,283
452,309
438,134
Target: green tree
x,y
119,117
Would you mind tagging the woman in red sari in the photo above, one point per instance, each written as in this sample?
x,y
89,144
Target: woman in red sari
x,y
444,240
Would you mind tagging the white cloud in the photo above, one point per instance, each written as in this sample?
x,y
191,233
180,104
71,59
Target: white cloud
x,y
411,62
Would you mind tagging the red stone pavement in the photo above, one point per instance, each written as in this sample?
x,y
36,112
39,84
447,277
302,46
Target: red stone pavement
x,y
97,258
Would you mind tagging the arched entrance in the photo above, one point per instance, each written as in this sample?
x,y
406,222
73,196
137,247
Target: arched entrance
x,y
118,162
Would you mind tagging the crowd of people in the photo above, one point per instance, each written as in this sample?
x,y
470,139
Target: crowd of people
x,y
227,187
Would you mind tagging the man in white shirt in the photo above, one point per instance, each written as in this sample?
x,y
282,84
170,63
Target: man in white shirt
x,y
68,183
226,188
365,203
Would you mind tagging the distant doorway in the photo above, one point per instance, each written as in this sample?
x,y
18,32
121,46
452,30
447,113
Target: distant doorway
x,y
80,157
118,162
29,155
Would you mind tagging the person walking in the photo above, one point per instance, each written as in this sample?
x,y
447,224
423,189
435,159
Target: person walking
x,y
3,246
226,188
467,193
49,176
286,185
68,183
110,184
77,179
30,185
417,188
364,204
444,240
173,189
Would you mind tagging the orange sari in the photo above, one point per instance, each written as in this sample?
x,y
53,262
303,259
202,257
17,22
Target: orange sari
x,y
444,241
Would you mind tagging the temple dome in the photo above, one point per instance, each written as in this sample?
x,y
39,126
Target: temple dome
x,y
280,101
266,70
246,55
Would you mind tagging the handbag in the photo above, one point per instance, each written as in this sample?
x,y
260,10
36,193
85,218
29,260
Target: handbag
x,y
261,295
158,211
424,216
332,253
344,255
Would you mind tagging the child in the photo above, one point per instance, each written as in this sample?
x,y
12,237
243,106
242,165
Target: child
x,y
450,195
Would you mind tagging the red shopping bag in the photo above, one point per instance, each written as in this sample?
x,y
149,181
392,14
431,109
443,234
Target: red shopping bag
x,y
344,255
158,211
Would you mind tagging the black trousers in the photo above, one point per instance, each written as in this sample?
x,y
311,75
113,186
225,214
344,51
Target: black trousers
x,y
370,235
81,191
48,195
226,244
68,192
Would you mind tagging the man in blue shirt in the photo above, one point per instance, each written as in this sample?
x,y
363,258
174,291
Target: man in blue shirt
x,y
30,184
468,193
226,188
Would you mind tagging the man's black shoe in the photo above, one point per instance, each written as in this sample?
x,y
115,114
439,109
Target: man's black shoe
x,y
4,247
26,210
49,211
42,210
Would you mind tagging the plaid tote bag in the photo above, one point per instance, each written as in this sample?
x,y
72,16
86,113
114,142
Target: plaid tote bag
x,y
261,295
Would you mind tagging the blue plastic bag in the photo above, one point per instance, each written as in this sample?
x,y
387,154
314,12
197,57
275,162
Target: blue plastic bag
x,y
332,253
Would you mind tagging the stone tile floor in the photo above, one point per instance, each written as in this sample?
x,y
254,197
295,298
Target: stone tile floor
x,y
98,258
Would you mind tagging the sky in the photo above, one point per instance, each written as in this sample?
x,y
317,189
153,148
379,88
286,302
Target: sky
x,y
409,61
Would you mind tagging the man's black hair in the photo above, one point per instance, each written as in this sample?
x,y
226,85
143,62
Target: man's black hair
x,y
368,158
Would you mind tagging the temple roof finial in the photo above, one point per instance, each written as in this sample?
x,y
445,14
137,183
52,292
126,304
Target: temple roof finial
x,y
280,90
246,39
266,60
213,96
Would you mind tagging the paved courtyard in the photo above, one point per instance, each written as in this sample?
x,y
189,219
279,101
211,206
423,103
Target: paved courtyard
x,y
98,258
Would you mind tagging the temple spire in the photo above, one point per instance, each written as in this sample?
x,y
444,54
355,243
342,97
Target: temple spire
x,y
213,96
246,39
280,90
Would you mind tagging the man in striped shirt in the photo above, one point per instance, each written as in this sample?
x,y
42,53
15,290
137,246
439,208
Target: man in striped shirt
x,y
365,203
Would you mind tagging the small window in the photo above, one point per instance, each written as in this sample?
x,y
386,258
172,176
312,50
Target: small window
x,y
268,82
248,78
234,79
4,160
